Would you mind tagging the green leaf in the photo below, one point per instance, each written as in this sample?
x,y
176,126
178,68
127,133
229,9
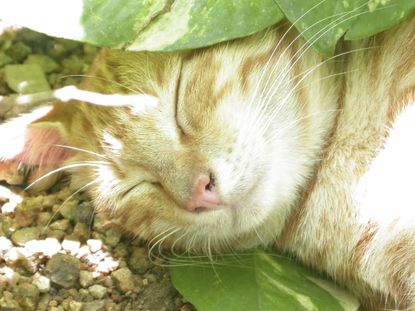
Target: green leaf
x,y
166,25
322,22
381,15
257,281
103,22
197,23
146,24
114,23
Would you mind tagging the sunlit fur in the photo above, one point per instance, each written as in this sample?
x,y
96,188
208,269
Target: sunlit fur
x,y
307,154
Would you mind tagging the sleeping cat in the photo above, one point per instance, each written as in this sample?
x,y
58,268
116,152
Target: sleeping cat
x,y
253,142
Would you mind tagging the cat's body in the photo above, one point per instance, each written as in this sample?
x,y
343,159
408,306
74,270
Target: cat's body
x,y
256,142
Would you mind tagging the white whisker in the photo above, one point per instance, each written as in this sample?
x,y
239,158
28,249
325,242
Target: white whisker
x,y
68,198
276,48
82,150
301,51
304,76
310,42
296,121
90,164
159,238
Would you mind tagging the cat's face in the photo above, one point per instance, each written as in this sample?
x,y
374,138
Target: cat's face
x,y
217,156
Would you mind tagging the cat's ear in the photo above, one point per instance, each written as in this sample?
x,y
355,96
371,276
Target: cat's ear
x,y
33,138
33,142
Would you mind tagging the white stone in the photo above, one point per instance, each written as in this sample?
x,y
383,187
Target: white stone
x,y
42,283
94,245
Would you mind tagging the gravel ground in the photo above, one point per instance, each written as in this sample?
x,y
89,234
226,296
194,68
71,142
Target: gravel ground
x,y
55,254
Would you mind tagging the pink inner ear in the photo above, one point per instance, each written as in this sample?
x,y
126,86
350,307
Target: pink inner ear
x,y
32,144
42,147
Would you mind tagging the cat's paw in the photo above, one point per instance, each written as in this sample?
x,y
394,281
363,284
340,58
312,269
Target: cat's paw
x,y
33,178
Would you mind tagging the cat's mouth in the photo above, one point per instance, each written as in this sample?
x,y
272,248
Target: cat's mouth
x,y
209,201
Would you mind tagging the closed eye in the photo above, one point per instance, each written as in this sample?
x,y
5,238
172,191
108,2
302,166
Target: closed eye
x,y
141,183
176,103
126,192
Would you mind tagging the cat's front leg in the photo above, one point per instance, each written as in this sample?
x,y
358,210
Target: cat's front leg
x,y
387,264
357,221
384,198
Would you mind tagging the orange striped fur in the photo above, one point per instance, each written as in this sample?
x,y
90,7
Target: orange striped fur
x,y
314,156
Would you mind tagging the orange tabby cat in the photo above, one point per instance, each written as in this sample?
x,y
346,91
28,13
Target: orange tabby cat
x,y
253,142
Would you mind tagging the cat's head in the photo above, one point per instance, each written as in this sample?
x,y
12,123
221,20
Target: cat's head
x,y
217,154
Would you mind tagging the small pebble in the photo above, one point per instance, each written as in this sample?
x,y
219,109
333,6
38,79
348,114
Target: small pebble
x,y
96,305
71,245
121,250
56,234
65,304
94,245
8,227
27,295
112,238
115,296
68,45
67,210
9,277
62,224
123,280
85,278
7,302
84,295
25,214
106,281
100,223
107,265
111,306
43,218
138,260
83,213
98,236
81,231
42,283
9,207
43,302
73,65
24,235
72,292
83,251
97,291
26,79
151,277
63,270
18,255
47,247
75,305
48,201
5,244
47,63
19,51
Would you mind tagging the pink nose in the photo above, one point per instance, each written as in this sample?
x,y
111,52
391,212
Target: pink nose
x,y
204,195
